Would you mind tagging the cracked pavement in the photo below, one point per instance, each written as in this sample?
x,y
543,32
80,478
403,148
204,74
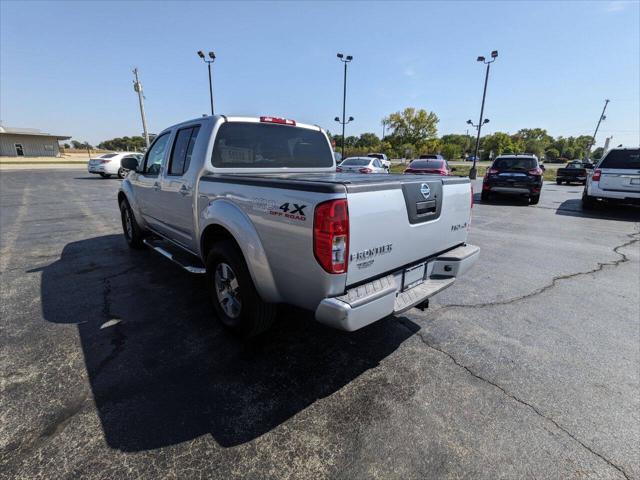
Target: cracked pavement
x,y
111,366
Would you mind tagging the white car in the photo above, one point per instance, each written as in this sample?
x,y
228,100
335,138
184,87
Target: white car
x,y
110,164
382,157
362,165
616,179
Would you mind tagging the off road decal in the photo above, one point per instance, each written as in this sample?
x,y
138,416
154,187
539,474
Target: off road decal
x,y
289,210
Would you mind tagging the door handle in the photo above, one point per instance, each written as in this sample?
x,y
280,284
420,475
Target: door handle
x,y
184,190
156,185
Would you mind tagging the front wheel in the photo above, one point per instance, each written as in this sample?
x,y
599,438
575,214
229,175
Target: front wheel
x,y
105,175
233,294
122,173
132,231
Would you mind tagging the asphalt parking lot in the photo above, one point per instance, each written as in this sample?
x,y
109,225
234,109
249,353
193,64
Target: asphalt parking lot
x,y
112,367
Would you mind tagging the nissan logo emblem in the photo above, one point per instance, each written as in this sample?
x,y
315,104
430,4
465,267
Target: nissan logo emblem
x,y
425,191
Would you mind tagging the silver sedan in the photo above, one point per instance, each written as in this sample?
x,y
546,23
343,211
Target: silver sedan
x,y
361,165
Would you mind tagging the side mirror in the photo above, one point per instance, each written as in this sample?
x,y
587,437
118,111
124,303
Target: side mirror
x,y
542,167
129,163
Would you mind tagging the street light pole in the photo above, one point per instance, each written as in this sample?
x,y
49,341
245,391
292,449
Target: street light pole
x,y
137,86
212,57
473,173
344,122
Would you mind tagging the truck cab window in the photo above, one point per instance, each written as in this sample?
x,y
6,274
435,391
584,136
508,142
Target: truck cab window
x,y
182,149
156,153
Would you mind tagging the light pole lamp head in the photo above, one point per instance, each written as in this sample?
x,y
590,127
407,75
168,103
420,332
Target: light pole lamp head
x,y
480,59
212,55
349,58
200,53
351,119
486,120
340,55
469,122
494,54
337,119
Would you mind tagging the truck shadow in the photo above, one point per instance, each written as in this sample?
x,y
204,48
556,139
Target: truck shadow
x,y
573,208
162,371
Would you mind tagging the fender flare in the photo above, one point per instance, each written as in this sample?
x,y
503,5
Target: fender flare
x,y
226,214
126,191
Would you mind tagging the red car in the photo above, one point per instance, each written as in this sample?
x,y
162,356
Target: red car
x,y
434,167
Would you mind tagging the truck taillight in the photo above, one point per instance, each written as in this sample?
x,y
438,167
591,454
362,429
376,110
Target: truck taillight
x,y
596,175
281,121
471,196
331,235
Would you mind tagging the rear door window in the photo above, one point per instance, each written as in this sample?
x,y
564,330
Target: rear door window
x,y
262,145
622,159
182,150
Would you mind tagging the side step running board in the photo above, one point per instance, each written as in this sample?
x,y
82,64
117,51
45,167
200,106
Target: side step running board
x,y
179,259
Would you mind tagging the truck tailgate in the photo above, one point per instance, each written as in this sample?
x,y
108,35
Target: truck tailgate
x,y
398,225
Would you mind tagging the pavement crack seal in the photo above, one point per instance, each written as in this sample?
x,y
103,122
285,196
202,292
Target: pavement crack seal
x,y
623,258
530,406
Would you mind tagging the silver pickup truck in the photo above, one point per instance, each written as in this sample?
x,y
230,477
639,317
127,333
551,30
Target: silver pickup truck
x,y
256,205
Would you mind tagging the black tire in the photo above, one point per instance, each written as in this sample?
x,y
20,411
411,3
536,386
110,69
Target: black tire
x,y
588,202
105,175
132,232
484,196
534,199
558,182
122,173
244,312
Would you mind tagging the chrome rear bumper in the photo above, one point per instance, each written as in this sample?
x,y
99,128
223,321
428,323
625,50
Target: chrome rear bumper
x,y
372,301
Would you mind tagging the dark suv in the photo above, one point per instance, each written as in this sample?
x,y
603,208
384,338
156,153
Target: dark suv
x,y
514,175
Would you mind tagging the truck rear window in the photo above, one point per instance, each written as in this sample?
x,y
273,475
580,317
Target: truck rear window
x,y
622,159
260,145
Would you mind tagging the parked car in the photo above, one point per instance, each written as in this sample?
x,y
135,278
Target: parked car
x,y
437,167
513,175
615,179
109,164
431,156
382,157
574,172
361,165
470,158
256,206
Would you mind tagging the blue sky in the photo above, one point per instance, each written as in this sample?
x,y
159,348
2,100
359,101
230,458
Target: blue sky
x,y
65,67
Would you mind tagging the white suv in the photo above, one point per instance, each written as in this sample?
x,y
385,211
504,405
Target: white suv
x,y
616,178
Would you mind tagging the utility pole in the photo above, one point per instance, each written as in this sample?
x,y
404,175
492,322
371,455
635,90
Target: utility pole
x,y
593,139
137,86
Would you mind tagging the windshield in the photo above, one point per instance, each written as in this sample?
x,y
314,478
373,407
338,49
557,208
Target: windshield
x,y
575,165
427,164
261,145
515,163
356,162
622,159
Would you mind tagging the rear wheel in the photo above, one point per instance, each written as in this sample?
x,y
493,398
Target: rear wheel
x,y
484,196
132,231
588,202
233,294
558,182
534,199
105,175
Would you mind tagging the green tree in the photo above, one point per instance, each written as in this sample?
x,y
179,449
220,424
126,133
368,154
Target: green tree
x,y
413,126
597,153
368,140
552,153
498,143
451,151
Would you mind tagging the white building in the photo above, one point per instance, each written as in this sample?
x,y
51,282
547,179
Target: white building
x,y
28,142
